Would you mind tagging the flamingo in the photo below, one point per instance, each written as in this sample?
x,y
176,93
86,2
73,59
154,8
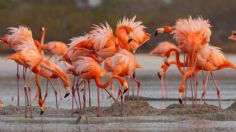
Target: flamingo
x,y
209,58
1,104
232,36
55,48
87,68
122,63
131,34
14,38
160,50
104,42
191,36
80,46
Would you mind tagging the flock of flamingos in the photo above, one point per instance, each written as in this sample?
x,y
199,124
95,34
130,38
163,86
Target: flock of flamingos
x,y
100,52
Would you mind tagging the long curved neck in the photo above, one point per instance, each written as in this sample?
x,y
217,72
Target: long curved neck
x,y
38,83
122,37
104,85
177,54
42,39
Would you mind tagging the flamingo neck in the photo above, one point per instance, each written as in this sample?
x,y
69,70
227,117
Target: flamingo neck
x,y
122,38
104,85
42,41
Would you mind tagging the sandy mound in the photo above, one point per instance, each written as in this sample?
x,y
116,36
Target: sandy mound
x,y
130,108
189,109
20,111
232,107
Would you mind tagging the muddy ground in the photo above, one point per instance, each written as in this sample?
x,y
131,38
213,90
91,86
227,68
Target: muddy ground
x,y
133,108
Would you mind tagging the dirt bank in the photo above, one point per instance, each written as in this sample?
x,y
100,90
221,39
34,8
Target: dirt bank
x,y
135,108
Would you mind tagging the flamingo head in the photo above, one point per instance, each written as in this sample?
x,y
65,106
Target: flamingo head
x,y
233,36
163,30
133,32
41,104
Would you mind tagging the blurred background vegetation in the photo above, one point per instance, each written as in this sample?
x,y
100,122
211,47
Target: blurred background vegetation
x,y
64,19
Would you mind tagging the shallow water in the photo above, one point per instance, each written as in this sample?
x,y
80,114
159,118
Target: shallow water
x,y
150,87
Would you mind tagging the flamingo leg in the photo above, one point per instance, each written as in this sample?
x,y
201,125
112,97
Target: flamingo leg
x,y
73,95
191,84
204,87
121,100
162,88
29,90
46,93
25,92
166,84
138,85
98,108
78,92
89,93
84,96
18,86
59,88
55,92
217,89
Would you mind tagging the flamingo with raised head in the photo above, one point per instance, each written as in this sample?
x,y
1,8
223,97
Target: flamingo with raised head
x,y
160,50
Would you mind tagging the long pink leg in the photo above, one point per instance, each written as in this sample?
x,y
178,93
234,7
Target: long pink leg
x,y
132,83
162,88
25,87
18,86
25,92
121,99
29,90
55,92
46,93
217,89
138,85
98,96
78,92
191,84
166,85
59,88
84,96
73,94
89,93
204,87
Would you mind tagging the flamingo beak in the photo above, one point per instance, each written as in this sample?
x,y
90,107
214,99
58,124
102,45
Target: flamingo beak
x,y
67,92
41,112
126,87
159,75
159,31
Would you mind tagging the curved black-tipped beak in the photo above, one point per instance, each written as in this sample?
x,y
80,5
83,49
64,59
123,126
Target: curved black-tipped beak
x,y
130,39
41,112
156,33
180,101
134,74
125,91
159,75
66,95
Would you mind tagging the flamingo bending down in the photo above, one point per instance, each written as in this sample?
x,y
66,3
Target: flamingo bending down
x,y
122,63
14,38
160,50
87,68
209,59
